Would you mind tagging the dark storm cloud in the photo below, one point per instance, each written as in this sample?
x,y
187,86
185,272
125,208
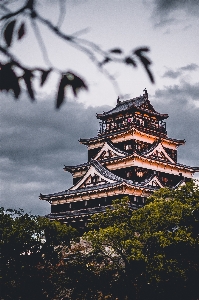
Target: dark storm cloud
x,y
185,90
163,9
37,141
166,6
183,123
173,74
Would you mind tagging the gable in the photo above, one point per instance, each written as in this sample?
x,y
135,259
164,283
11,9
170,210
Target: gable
x,y
94,177
159,153
154,182
93,180
109,151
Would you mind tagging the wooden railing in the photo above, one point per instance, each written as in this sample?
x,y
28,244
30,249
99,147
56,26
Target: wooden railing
x,y
160,130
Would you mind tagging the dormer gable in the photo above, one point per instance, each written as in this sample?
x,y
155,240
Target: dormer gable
x,y
108,150
158,153
154,182
96,175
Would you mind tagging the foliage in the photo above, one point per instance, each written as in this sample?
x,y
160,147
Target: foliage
x,y
14,75
149,253
31,249
157,246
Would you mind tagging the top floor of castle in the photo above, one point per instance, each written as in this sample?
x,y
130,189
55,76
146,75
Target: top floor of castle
x,y
138,113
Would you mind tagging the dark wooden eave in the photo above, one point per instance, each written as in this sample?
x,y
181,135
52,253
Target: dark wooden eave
x,y
108,136
114,181
132,105
72,169
85,166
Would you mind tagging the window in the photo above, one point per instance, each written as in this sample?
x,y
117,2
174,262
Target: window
x,y
139,174
95,179
128,174
128,147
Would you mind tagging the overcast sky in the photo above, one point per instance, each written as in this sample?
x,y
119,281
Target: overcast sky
x,y
37,140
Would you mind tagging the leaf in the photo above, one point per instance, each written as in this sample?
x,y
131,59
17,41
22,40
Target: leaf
x,y
69,79
61,91
145,61
8,32
130,61
116,51
77,84
21,31
44,76
105,61
28,75
144,49
9,80
30,4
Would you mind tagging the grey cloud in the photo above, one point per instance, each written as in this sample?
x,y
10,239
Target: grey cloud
x,y
190,67
165,22
37,141
186,91
163,8
183,122
172,74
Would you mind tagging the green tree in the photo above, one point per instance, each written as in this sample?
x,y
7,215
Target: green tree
x,y
31,249
115,238
156,246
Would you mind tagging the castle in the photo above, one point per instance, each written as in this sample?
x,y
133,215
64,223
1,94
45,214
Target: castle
x,y
131,156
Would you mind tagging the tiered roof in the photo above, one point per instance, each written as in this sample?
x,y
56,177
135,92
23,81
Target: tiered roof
x,y
155,155
109,179
140,103
131,131
96,179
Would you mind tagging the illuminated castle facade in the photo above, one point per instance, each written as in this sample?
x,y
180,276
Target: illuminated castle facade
x,y
131,156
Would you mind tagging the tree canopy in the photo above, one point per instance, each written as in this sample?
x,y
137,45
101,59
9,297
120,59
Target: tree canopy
x,y
156,246
149,253
31,248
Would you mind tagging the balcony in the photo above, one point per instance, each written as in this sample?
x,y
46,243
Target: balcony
x,y
159,130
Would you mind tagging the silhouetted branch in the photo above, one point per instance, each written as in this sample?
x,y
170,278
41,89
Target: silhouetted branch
x,y
62,12
99,57
41,42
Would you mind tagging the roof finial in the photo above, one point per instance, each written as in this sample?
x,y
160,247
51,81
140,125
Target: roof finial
x,y
145,93
118,100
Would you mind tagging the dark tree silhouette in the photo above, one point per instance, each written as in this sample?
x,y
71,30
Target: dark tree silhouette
x,y
14,74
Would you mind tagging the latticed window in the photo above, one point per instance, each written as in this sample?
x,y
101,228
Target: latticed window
x,y
128,174
95,179
128,147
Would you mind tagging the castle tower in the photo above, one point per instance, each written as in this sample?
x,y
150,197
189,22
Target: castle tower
x,y
131,156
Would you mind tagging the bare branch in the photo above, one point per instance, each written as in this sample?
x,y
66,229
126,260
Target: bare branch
x,y
62,12
12,14
41,43
99,57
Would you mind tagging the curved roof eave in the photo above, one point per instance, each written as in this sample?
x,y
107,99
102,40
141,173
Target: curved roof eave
x,y
132,104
